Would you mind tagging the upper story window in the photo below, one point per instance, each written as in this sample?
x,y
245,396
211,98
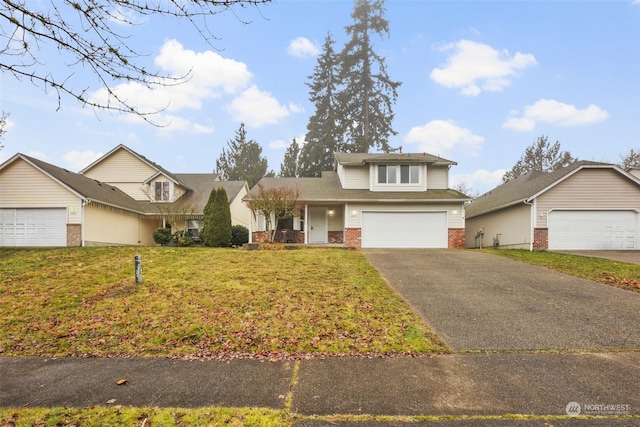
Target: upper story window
x,y
398,174
162,191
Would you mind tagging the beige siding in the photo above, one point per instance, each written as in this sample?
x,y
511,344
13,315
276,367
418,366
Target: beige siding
x,y
513,225
240,213
354,177
455,217
437,177
23,186
335,218
125,171
105,226
421,186
589,189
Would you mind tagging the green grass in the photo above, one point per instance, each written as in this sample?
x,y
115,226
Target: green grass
x,y
614,273
125,416
202,302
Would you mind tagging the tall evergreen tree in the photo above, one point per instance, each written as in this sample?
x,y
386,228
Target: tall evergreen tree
x,y
325,135
368,93
289,166
217,220
242,160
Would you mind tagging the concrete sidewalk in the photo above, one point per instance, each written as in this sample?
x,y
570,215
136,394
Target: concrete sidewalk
x,y
458,384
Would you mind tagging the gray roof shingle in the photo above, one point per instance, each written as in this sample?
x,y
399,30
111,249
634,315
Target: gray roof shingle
x,y
328,189
362,158
522,188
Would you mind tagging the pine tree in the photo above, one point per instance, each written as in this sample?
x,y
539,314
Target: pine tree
x,y
289,166
217,220
242,160
368,93
325,135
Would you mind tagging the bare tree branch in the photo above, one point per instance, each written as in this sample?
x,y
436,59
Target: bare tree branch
x,y
88,34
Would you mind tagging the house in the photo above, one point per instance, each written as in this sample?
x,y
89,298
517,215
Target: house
x,y
375,201
120,199
587,205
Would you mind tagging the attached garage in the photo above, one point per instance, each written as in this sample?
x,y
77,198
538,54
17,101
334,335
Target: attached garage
x,y
593,229
404,229
33,227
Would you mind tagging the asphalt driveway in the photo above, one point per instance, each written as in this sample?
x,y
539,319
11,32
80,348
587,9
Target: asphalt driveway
x,y
476,301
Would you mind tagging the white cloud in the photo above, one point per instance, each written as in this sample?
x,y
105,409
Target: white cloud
x,y
480,180
210,76
440,137
180,124
302,47
474,67
37,154
556,113
256,108
78,160
278,144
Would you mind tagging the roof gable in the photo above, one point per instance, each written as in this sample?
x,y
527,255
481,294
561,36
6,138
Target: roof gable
x,y
531,185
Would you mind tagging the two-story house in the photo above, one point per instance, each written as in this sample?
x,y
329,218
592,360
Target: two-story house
x,y
119,199
374,200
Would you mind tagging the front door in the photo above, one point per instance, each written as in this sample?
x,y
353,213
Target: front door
x,y
317,225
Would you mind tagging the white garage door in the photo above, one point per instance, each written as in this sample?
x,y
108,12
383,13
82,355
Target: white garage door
x,y
593,230
33,227
404,230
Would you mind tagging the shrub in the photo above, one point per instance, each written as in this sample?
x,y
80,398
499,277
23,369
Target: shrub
x,y
217,220
239,235
162,236
182,238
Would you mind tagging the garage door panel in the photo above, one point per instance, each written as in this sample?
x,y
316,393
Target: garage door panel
x,y
593,230
404,230
33,227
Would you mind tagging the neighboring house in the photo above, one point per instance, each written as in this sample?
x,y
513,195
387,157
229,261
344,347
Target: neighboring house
x,y
119,199
587,205
375,201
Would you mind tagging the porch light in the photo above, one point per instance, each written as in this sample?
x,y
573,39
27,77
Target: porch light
x,y
330,211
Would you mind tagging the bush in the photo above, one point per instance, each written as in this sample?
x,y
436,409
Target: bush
x,y
217,220
239,235
162,236
182,238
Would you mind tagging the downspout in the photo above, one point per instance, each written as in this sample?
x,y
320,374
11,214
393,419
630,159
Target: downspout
x,y
251,219
82,225
533,223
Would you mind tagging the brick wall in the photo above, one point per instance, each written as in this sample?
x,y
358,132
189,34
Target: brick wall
x,y
260,236
74,235
456,238
540,239
353,237
335,237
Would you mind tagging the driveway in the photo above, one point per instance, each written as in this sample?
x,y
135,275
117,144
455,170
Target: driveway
x,y
476,301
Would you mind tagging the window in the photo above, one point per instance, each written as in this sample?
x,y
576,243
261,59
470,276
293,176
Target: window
x,y
193,228
403,174
162,191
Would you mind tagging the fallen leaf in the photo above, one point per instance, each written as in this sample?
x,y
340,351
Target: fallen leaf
x,y
122,381
110,401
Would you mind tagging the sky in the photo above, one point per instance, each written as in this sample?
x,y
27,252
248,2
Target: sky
x,y
481,81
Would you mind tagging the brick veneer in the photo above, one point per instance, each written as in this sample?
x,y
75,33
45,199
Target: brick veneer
x,y
335,237
260,236
540,239
353,237
74,235
456,238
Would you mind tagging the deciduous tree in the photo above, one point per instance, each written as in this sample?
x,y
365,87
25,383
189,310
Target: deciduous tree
x,y
92,35
242,160
630,160
274,204
540,156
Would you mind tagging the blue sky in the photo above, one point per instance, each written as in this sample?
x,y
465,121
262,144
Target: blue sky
x,y
481,81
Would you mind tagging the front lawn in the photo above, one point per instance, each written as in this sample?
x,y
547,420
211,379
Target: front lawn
x,y
615,273
202,302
